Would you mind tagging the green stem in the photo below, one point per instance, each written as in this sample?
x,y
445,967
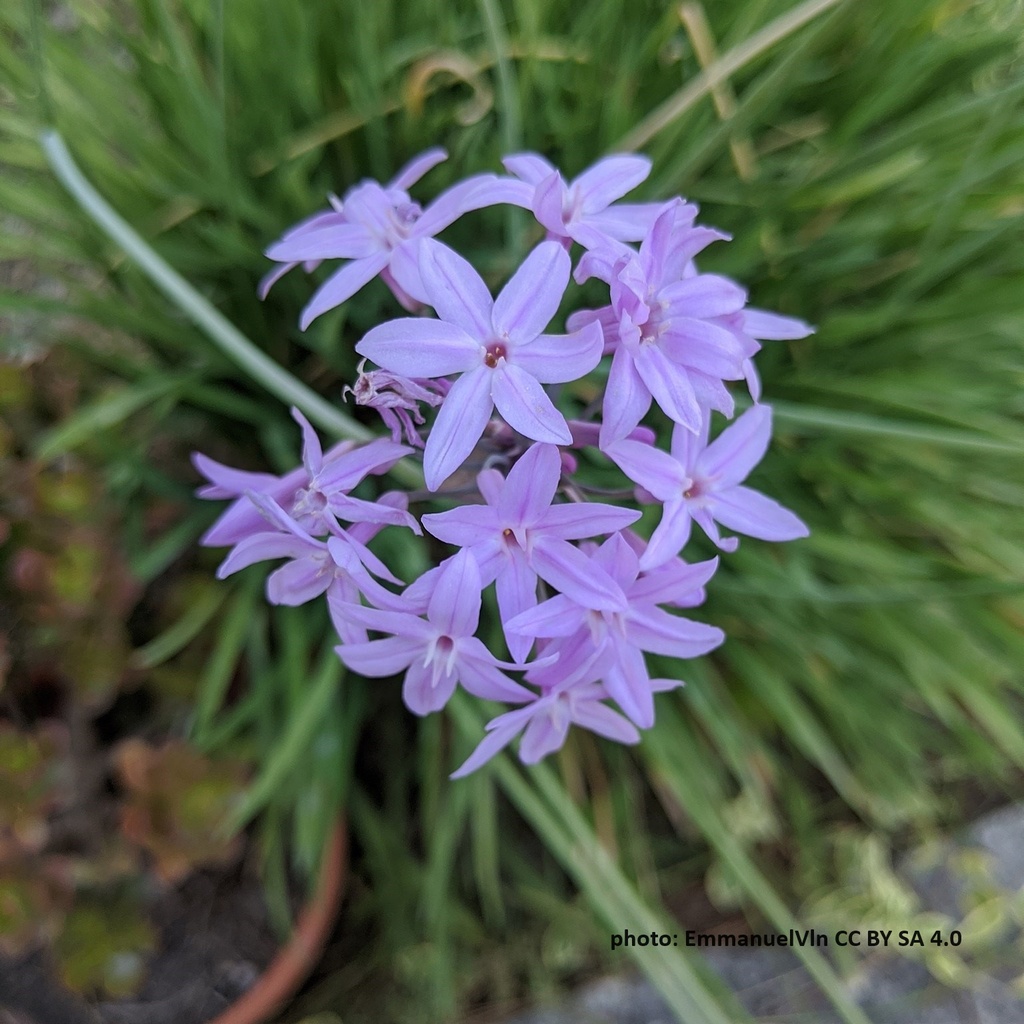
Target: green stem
x,y
260,367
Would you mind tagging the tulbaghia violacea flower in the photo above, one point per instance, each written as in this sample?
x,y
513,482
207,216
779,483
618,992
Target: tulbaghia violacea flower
x,y
497,346
397,399
584,210
438,652
376,228
702,483
670,339
619,636
519,535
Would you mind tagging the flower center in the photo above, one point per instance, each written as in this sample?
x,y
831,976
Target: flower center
x,y
445,645
495,352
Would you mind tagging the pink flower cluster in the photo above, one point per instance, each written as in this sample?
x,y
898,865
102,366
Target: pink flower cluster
x,y
582,597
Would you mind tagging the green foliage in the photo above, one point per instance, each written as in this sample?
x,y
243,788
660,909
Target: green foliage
x,y
871,671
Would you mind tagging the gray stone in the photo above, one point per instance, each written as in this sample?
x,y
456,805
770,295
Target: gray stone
x,y
1001,834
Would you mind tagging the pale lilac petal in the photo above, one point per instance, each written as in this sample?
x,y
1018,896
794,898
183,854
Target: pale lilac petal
x,y
576,520
765,326
516,589
524,404
404,267
753,379
350,554
687,446
703,296
337,241
605,317
545,734
425,692
530,486
654,630
626,399
479,675
341,594
600,719
417,167
629,685
268,280
711,393
261,547
656,471
459,424
669,581
533,294
345,471
609,179
420,347
666,685
454,606
299,581
752,513
456,291
668,383
670,535
470,524
558,616
472,193
493,743
704,346
569,571
496,191
491,485
379,658
530,167
358,510
312,453
703,518
272,512
559,358
618,559
625,222
401,623
738,449
547,203
226,482
342,285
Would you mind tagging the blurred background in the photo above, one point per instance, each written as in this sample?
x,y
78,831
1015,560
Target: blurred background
x,y
174,754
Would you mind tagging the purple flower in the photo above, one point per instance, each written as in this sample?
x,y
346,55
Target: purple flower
x,y
618,636
497,347
519,535
376,228
308,492
336,567
438,652
671,341
765,326
702,482
397,400
581,211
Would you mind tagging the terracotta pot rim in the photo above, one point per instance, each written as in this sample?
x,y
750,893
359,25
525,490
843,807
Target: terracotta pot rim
x,y
294,961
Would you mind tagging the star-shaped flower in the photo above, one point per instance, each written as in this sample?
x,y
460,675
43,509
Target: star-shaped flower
x,y
497,346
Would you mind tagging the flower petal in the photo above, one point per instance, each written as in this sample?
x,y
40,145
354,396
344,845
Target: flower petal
x,y
576,520
454,606
570,572
455,290
670,535
533,294
327,242
656,471
601,719
668,383
629,685
471,524
494,742
342,285
530,486
654,630
417,167
530,167
425,692
379,658
626,399
765,326
524,404
756,515
609,179
703,296
559,358
738,449
516,589
459,424
545,734
419,347
299,581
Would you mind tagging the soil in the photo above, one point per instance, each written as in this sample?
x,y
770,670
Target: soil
x,y
216,939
